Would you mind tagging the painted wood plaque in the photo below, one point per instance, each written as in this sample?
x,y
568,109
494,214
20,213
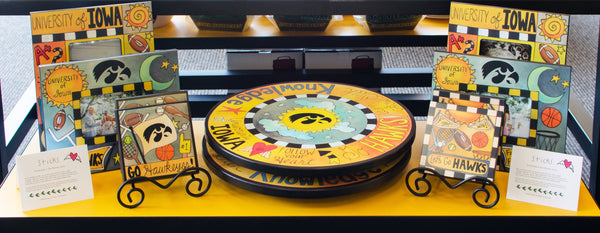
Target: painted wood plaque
x,y
508,33
461,142
156,138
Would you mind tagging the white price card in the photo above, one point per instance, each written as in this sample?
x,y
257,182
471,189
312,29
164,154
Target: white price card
x,y
54,177
545,178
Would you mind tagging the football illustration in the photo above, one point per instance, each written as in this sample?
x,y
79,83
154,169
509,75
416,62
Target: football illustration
x,y
462,139
132,119
138,43
59,119
549,54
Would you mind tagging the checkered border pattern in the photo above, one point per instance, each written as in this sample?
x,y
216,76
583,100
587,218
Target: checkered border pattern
x,y
533,95
491,33
77,114
429,130
371,123
80,35
470,97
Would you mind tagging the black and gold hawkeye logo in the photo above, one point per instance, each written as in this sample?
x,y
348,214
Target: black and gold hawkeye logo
x,y
309,119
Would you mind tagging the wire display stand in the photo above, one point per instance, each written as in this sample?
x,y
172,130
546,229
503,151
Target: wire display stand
x,y
193,171
424,191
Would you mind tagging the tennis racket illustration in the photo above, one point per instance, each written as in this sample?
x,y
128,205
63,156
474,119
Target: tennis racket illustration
x,y
441,138
129,150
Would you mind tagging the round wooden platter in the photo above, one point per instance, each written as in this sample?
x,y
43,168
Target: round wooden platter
x,y
309,128
303,186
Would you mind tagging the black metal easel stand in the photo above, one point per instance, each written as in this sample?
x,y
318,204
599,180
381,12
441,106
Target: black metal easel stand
x,y
191,171
427,171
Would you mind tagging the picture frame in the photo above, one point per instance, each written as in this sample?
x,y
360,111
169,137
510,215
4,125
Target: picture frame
x,y
551,83
88,129
527,135
152,72
82,34
508,33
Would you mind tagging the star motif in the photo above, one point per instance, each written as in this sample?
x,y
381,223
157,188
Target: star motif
x,y
175,67
561,49
234,110
148,35
175,123
565,84
117,158
555,79
165,64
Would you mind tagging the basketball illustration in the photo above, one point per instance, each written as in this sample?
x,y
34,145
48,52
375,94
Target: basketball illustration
x,y
479,139
551,117
165,153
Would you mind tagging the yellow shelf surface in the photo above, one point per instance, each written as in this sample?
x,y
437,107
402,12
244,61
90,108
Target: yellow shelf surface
x,y
226,200
182,26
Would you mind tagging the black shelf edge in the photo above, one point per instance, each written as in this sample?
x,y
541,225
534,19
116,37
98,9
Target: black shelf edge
x,y
309,224
302,7
227,79
418,104
300,42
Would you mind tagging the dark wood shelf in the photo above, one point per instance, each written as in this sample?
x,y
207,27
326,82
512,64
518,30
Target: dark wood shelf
x,y
343,31
303,7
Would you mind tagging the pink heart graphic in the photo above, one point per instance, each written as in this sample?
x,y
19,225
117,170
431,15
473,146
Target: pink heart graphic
x,y
567,163
261,147
73,156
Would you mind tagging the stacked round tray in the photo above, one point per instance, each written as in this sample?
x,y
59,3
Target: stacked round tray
x,y
308,139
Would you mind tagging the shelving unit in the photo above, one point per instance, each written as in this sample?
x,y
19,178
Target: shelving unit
x,y
182,34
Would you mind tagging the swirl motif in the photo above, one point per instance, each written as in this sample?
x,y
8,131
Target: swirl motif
x,y
553,27
138,16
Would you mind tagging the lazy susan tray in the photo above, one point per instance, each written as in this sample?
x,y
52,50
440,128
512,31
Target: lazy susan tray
x,y
302,128
303,186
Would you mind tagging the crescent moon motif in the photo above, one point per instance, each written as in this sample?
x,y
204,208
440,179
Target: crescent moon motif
x,y
146,76
532,83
